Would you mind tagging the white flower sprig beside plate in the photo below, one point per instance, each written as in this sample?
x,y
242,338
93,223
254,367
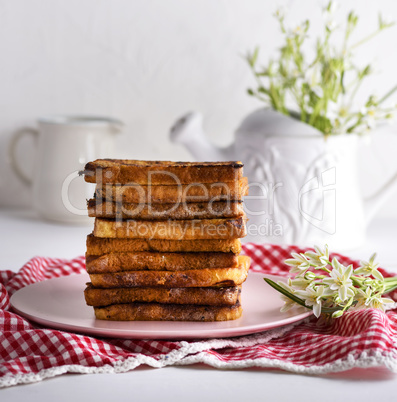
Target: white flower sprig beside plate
x,y
332,288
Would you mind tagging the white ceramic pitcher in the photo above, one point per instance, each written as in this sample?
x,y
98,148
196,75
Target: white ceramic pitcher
x,y
304,189
64,144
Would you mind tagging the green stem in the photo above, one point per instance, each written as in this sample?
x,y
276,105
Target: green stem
x,y
260,98
356,124
316,112
391,284
280,289
354,92
348,304
326,269
394,89
388,290
366,39
357,281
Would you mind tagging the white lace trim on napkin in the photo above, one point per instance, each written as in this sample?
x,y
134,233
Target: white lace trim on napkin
x,y
192,353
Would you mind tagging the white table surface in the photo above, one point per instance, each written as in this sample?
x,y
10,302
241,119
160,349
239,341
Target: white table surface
x,y
24,236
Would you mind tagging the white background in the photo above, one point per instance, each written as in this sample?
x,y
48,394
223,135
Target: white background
x,y
148,62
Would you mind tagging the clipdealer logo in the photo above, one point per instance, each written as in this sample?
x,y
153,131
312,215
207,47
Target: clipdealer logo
x,y
316,203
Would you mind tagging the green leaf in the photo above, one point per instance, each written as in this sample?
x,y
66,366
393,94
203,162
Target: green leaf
x,y
383,24
391,284
250,92
296,299
391,289
254,57
352,19
329,6
285,292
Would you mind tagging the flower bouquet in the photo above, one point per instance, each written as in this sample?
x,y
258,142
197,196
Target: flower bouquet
x,y
321,90
329,287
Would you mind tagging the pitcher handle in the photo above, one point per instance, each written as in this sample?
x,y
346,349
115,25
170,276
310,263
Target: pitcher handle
x,y
18,135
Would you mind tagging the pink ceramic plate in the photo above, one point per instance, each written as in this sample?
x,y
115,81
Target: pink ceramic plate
x,y
59,303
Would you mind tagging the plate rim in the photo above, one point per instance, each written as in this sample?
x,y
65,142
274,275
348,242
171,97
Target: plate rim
x,y
152,333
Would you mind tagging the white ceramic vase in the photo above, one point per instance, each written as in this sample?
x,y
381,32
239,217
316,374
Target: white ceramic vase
x,y
304,189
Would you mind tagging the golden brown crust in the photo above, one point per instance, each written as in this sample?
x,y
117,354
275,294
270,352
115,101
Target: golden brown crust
x,y
193,192
193,229
157,261
199,296
194,210
167,312
98,246
206,277
160,172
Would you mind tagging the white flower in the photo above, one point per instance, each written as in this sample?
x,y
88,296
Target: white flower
x,y
340,290
368,299
343,111
363,298
298,30
319,257
299,263
300,282
369,116
333,110
331,25
380,302
368,268
288,304
280,13
340,280
313,297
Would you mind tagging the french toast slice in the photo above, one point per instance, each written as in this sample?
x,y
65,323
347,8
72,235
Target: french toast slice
x,y
157,261
167,312
161,172
193,210
226,296
205,277
193,229
158,194
98,245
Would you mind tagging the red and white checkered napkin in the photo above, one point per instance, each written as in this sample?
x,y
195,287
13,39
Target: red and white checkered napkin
x,y
30,353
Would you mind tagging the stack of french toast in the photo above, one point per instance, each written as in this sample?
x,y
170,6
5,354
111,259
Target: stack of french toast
x,y
166,240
